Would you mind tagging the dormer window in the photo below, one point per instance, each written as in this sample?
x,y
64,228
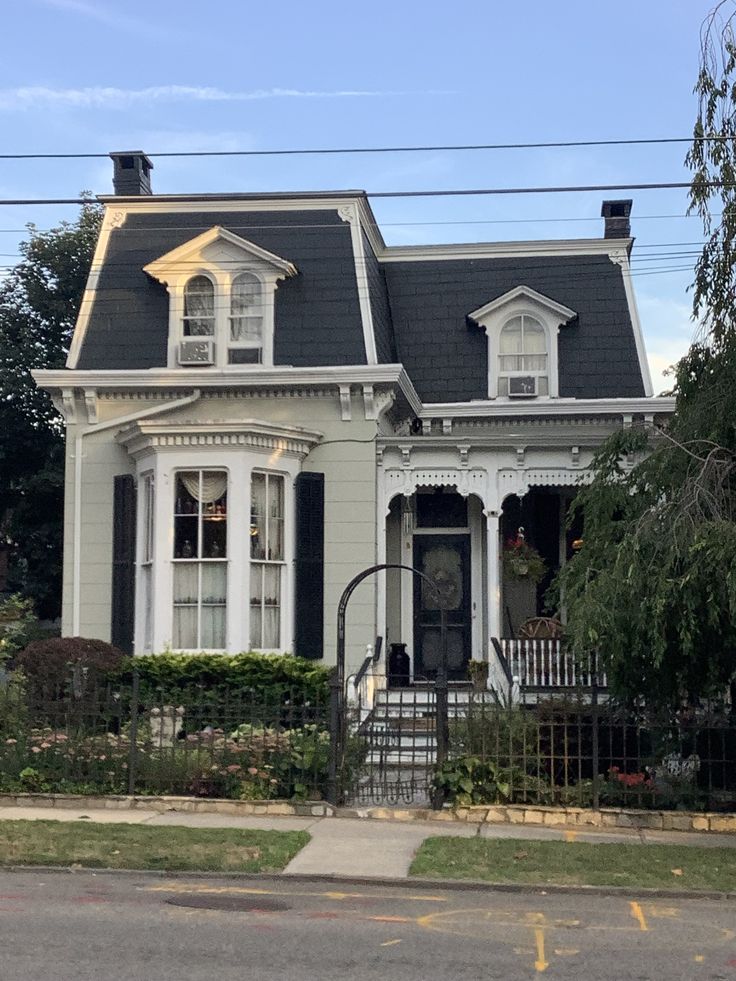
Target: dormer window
x,y
199,308
246,320
522,328
228,305
522,358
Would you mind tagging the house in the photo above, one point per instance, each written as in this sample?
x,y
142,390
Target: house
x,y
262,399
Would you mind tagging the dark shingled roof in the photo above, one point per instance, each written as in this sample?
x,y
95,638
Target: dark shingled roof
x,y
419,306
447,358
317,312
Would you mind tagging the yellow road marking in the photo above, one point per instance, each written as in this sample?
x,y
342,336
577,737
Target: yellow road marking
x,y
390,943
638,915
698,958
570,835
566,951
391,919
540,963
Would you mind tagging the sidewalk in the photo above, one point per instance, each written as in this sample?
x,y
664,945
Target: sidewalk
x,y
353,847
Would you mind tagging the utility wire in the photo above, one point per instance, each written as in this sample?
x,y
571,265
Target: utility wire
x,y
440,148
437,193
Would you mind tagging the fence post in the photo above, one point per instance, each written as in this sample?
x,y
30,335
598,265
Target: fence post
x,y
441,688
133,750
594,714
335,738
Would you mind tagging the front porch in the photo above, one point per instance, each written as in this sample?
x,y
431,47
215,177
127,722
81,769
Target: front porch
x,y
496,613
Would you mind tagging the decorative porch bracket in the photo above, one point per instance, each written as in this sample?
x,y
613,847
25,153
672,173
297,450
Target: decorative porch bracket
x,y
338,719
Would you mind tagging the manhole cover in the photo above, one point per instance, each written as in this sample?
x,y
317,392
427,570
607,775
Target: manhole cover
x,y
237,904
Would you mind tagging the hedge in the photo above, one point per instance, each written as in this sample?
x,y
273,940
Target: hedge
x,y
200,679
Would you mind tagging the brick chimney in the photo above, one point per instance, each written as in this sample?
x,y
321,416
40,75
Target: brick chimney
x,y
131,173
616,214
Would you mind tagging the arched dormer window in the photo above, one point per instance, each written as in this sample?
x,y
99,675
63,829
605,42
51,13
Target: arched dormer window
x,y
522,358
199,308
225,314
246,320
522,327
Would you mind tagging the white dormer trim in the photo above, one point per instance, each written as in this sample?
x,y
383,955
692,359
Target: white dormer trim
x,y
221,256
492,316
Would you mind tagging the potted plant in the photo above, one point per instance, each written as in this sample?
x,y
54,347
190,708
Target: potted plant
x,y
478,674
521,561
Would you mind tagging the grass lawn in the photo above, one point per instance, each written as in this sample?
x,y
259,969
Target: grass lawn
x,y
130,846
577,863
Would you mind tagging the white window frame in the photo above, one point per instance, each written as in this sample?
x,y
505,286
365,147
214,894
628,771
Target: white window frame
x,y
147,552
260,564
199,560
537,373
522,301
221,256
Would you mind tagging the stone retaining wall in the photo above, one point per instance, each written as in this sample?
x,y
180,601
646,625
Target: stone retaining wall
x,y
606,817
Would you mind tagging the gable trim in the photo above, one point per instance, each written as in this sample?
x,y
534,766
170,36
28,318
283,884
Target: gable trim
x,y
159,267
524,293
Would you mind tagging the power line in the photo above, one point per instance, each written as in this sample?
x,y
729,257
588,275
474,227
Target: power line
x,y
436,193
439,148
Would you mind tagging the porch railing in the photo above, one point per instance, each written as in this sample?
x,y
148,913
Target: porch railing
x,y
543,664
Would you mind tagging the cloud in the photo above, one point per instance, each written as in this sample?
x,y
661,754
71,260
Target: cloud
x,y
104,16
102,97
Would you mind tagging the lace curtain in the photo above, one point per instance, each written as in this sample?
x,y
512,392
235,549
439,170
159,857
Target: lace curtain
x,y
212,487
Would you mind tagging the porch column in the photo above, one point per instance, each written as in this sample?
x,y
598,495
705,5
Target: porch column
x,y
494,573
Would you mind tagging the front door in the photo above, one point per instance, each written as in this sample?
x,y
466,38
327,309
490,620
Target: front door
x,y
446,560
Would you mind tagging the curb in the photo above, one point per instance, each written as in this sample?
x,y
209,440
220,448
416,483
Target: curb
x,y
606,819
409,882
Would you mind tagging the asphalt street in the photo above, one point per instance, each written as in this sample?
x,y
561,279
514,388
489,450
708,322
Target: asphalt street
x,y
90,927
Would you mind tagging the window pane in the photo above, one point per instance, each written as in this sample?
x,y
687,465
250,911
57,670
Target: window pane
x,y
213,628
510,341
245,295
214,583
276,519
271,606
533,362
543,385
246,329
244,355
186,582
534,339
199,298
185,628
503,385
258,516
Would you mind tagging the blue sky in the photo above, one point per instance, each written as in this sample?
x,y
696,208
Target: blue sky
x,y
100,75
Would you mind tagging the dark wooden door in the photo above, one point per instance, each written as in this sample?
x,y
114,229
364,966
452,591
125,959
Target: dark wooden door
x,y
445,559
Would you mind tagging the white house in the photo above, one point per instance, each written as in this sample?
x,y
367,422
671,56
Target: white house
x,y
262,399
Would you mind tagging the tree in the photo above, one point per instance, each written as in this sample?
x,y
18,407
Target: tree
x,y
39,303
653,589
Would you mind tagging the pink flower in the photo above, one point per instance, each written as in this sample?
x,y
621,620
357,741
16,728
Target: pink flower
x,y
233,768
10,742
252,770
35,749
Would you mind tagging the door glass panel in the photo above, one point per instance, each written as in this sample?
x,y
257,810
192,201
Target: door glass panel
x,y
443,565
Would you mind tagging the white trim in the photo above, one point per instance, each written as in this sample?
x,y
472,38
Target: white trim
x,y
646,375
171,261
233,377
486,408
349,214
505,250
525,293
109,221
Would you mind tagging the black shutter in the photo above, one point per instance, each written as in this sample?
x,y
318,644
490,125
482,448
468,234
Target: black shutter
x,y
123,563
310,565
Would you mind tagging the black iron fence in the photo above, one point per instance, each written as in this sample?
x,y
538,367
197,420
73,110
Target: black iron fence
x,y
580,753
103,740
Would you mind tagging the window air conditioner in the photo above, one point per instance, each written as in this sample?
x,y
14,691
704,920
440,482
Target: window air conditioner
x,y
522,386
197,351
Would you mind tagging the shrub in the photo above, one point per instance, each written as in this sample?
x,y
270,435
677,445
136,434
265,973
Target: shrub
x,y
54,665
18,625
197,681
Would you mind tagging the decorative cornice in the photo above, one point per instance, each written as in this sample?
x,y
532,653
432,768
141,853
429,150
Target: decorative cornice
x,y
505,250
143,435
495,408
160,268
238,381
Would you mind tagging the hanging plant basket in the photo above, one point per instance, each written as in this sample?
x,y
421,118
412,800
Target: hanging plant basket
x,y
522,562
